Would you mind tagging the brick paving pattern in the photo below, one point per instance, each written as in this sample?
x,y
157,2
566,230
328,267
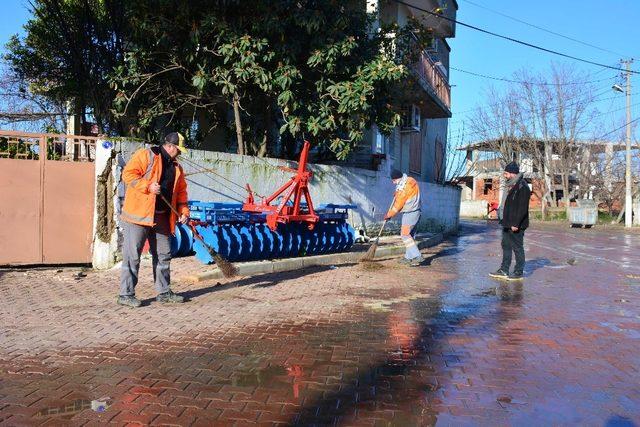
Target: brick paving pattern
x,y
355,345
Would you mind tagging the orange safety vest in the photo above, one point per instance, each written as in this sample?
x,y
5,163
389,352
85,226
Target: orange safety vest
x,y
407,197
144,168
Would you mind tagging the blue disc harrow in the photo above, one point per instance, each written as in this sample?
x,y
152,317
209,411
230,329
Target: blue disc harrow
x,y
244,236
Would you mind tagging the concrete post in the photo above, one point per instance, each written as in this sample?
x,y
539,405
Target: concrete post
x,y
105,229
628,176
608,165
471,168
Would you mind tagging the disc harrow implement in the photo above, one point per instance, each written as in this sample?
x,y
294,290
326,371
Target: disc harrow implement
x,y
284,225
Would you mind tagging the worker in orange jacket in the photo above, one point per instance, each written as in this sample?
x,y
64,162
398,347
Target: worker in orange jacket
x,y
151,175
407,201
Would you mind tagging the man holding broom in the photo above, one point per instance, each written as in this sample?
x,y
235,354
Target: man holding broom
x,y
153,178
407,201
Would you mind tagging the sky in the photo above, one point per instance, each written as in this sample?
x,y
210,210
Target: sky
x,y
13,15
613,26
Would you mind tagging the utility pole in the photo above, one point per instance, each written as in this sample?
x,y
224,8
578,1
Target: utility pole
x,y
628,214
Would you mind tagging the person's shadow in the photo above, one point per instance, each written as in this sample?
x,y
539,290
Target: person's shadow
x,y
619,421
535,264
441,254
260,281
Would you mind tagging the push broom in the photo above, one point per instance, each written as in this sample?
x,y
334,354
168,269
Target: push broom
x,y
228,269
371,252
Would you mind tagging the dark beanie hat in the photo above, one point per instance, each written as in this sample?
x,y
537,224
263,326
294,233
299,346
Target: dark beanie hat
x,y
512,168
396,174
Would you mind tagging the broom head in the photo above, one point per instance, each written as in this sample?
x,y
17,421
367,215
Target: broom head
x,y
371,252
228,269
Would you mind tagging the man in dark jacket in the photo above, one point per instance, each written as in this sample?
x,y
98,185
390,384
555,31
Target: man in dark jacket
x,y
514,218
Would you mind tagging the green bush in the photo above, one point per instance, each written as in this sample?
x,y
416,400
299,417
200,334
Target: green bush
x,y
552,215
14,149
606,217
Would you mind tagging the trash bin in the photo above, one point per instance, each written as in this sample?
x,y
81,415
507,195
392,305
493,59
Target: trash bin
x,y
586,203
586,214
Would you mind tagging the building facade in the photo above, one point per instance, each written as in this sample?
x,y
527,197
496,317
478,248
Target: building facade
x,y
419,146
483,181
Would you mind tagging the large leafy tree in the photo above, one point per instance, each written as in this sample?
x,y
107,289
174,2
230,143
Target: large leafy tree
x,y
272,72
288,70
70,48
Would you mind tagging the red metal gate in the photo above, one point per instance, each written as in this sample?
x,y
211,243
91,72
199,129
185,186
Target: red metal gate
x,y
46,198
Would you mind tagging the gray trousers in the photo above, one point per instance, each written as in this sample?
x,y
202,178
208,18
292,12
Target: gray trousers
x,y
407,231
159,237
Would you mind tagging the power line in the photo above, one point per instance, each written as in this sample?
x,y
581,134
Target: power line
x,y
612,131
528,82
511,39
613,111
543,29
618,128
551,110
595,99
458,113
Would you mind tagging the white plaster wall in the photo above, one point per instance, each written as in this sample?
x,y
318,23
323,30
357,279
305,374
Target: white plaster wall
x,y
473,208
372,191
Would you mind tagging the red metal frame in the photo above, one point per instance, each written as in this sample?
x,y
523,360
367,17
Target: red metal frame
x,y
298,188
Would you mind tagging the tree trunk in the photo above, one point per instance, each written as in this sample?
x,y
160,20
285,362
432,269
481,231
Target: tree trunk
x,y
543,205
263,148
565,191
549,174
236,114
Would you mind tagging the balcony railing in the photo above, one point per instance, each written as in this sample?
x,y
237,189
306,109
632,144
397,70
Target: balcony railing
x,y
433,78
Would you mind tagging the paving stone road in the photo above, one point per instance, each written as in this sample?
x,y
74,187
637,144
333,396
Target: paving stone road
x,y
378,344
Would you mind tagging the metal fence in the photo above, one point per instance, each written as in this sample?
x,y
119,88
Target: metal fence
x,y
59,147
46,200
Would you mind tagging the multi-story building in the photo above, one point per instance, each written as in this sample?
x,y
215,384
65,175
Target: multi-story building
x,y
418,147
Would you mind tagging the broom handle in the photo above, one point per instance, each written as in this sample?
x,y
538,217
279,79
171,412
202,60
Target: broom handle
x,y
164,199
386,220
195,232
381,228
212,252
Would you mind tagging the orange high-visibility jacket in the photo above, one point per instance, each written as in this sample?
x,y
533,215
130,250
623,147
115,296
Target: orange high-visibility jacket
x,y
407,196
144,168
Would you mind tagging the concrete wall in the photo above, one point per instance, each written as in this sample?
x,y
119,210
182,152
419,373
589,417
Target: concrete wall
x,y
372,191
473,208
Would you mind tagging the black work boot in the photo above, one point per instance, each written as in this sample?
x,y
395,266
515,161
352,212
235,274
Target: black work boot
x,y
129,301
500,274
169,297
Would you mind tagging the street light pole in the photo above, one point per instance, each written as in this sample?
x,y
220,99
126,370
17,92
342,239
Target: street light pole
x,y
628,214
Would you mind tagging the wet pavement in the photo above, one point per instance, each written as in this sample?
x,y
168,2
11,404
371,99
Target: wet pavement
x,y
377,344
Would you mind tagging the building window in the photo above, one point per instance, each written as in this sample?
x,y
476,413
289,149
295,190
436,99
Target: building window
x,y
380,142
488,186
